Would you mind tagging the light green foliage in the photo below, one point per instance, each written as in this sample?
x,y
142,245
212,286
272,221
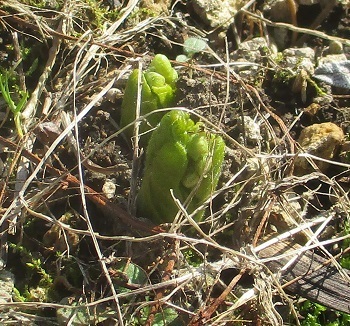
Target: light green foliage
x,y
194,45
318,315
98,13
14,108
158,90
191,46
182,157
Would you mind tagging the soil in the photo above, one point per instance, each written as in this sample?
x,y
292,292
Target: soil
x,y
260,195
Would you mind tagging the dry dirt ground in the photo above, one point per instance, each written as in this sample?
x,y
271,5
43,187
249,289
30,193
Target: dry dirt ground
x,y
75,246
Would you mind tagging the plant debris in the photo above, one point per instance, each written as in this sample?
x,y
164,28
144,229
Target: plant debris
x,y
275,230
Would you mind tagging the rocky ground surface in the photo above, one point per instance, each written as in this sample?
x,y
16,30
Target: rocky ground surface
x,y
270,77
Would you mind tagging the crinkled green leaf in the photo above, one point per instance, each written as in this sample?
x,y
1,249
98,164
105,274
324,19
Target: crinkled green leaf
x,y
161,65
158,91
180,157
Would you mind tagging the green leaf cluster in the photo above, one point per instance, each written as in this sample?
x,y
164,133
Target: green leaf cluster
x,y
318,315
183,157
158,91
38,283
166,317
77,314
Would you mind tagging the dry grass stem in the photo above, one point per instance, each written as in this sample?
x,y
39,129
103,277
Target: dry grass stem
x,y
261,226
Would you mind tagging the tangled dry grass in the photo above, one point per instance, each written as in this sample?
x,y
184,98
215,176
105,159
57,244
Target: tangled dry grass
x,y
245,264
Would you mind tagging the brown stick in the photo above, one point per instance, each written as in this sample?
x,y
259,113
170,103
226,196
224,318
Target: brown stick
x,y
210,310
318,21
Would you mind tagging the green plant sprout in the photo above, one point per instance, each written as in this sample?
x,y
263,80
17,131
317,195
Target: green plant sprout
x,y
191,46
158,91
183,157
15,109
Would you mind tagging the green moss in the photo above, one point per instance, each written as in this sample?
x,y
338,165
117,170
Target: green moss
x,y
36,283
192,257
140,14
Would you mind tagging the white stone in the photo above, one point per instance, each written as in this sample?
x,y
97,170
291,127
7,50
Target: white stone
x,y
109,188
250,129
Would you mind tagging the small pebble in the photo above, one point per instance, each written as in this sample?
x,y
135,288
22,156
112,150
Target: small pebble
x,y
320,140
109,188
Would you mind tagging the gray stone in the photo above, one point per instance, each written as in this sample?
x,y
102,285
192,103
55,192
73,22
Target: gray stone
x,y
251,50
253,45
336,73
7,281
216,13
298,59
250,130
